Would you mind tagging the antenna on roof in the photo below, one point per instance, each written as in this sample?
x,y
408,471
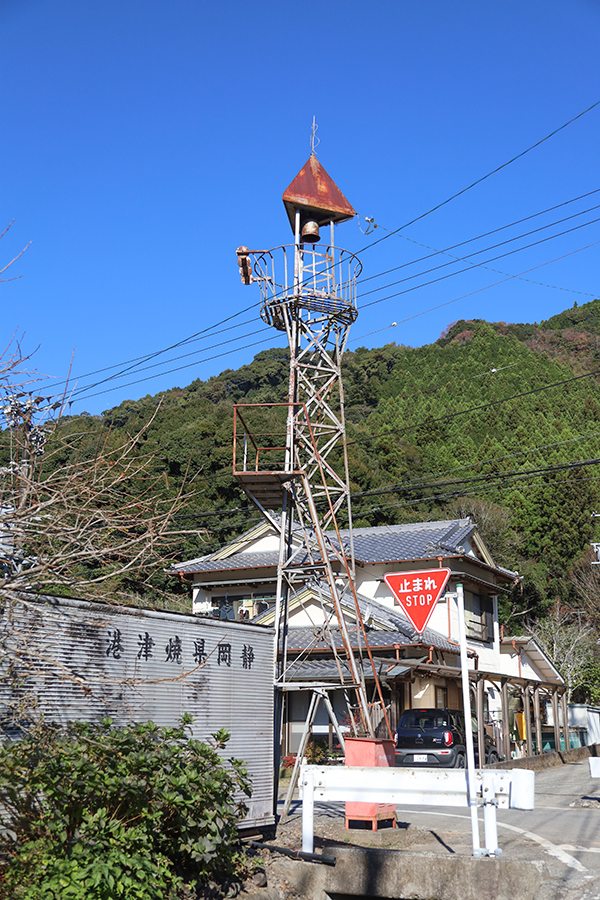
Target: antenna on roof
x,y
314,140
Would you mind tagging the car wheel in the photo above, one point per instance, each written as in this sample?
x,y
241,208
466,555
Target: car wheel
x,y
459,762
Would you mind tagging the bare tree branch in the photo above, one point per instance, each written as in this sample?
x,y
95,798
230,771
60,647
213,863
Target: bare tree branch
x,y
79,511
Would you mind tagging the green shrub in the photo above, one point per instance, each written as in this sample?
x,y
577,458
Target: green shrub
x,y
96,812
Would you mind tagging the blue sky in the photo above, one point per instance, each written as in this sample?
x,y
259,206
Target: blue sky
x,y
144,141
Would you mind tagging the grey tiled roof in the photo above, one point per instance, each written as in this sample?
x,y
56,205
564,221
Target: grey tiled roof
x,y
386,543
300,638
389,623
326,669
398,623
418,540
235,561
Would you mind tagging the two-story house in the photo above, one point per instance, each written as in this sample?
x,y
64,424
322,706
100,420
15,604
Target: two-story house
x,y
510,675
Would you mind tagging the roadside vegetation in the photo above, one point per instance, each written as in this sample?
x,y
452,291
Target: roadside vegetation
x,y
95,812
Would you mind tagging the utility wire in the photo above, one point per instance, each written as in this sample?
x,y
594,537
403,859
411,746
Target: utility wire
x,y
178,368
207,332
397,230
501,256
452,495
511,240
484,462
198,336
85,388
477,479
490,405
83,392
482,179
554,287
478,237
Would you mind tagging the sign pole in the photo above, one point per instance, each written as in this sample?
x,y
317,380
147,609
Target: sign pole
x,y
464,668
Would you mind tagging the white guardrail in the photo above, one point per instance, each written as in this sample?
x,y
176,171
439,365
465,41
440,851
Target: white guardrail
x,y
495,789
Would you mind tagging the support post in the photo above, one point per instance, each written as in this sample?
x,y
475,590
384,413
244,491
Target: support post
x,y
480,722
505,719
333,722
565,715
464,667
308,812
555,717
490,823
527,720
310,717
538,719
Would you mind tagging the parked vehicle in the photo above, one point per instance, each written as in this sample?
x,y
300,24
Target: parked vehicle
x,y
436,737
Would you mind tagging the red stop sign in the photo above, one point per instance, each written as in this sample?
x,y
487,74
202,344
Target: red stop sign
x,y
418,592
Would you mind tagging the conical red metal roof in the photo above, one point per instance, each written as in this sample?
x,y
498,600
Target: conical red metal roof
x,y
318,197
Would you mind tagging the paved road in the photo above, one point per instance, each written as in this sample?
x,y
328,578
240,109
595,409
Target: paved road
x,y
565,838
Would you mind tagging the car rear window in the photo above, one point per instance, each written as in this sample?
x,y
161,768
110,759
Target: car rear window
x,y
424,720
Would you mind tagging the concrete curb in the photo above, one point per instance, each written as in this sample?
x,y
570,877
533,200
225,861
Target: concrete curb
x,y
363,872
549,760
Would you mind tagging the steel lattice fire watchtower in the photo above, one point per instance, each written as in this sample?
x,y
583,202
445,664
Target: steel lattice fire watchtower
x,y
301,468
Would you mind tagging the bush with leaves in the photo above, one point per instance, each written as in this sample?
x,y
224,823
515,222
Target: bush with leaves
x,y
96,812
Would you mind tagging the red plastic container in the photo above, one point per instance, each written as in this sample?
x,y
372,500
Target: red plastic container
x,y
369,752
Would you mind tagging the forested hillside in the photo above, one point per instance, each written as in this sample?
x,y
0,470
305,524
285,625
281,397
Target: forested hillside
x,y
502,416
497,420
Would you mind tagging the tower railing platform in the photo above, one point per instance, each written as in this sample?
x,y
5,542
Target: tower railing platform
x,y
323,282
259,451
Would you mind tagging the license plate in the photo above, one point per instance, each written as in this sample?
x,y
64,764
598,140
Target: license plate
x,y
420,757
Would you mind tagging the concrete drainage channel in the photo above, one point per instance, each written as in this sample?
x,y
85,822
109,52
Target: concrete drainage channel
x,y
365,872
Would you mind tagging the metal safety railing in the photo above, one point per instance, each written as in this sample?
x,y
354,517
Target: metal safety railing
x,y
316,277
494,789
259,445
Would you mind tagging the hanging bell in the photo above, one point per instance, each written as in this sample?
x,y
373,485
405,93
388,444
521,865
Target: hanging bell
x,y
310,233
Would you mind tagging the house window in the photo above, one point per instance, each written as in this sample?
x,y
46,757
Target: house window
x,y
237,606
479,617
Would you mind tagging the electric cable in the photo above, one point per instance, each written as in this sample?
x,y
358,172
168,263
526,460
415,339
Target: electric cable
x,y
432,209
480,463
477,479
206,332
86,396
84,391
190,339
456,494
490,405
495,246
482,179
85,388
508,278
478,237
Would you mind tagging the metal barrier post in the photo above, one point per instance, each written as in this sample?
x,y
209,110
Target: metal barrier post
x,y
308,811
488,784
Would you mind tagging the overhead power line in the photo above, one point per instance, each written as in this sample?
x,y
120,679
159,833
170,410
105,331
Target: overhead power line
x,y
482,406
131,364
501,256
215,329
84,391
482,179
454,495
479,237
496,246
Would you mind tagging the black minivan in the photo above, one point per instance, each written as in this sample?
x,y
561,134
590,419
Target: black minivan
x,y
436,737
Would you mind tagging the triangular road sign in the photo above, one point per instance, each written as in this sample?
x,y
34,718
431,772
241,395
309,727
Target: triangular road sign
x,y
418,592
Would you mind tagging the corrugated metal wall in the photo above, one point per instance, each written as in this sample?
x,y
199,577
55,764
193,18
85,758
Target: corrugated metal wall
x,y
82,660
